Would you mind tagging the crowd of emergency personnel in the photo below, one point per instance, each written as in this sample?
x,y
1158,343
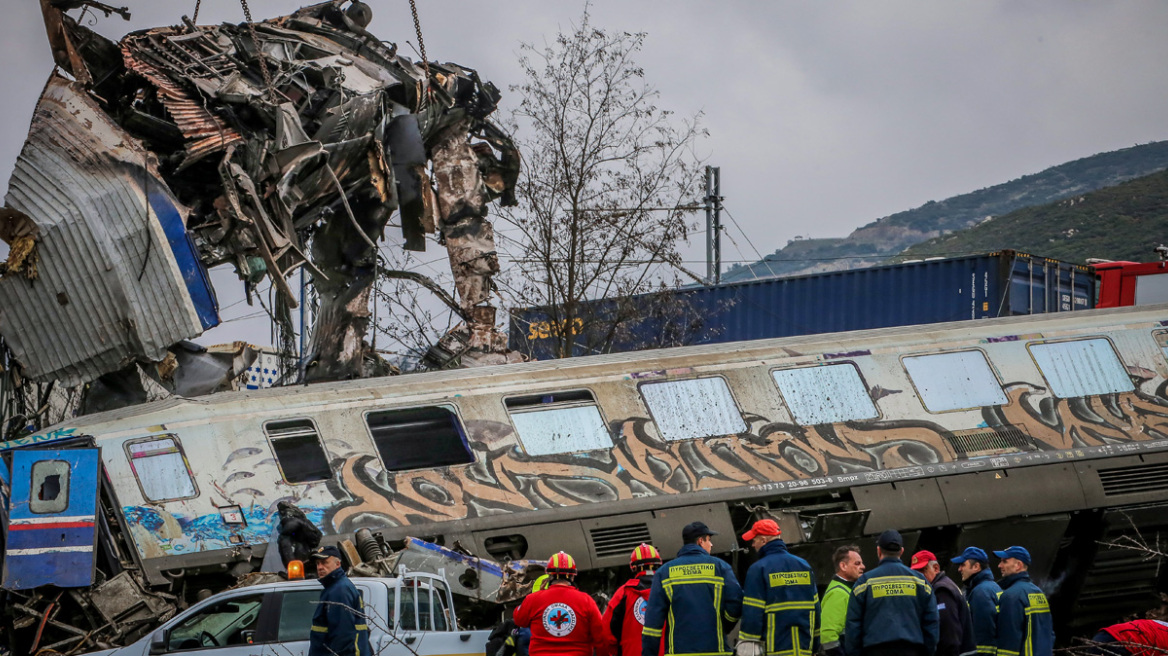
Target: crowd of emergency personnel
x,y
690,606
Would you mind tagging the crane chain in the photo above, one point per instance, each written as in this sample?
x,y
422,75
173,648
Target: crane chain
x,y
195,19
255,40
421,43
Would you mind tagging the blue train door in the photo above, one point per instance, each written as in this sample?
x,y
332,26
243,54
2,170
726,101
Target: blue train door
x,y
51,519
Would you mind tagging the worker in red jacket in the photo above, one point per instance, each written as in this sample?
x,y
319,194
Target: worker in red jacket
x,y
1138,638
625,615
563,620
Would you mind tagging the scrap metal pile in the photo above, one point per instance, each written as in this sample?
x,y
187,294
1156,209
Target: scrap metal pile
x,y
272,145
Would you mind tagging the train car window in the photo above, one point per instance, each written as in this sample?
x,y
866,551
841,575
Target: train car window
x,y
418,438
825,394
558,422
1083,367
688,409
299,453
50,487
954,381
161,468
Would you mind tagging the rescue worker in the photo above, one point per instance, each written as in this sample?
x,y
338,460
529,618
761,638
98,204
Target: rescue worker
x,y
781,598
700,593
563,620
339,626
506,639
625,615
955,627
892,611
1024,621
1136,638
848,567
981,593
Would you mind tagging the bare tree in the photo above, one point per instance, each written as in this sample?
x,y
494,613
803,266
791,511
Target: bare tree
x,y
608,182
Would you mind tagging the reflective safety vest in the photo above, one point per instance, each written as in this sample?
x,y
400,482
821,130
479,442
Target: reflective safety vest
x,y
781,603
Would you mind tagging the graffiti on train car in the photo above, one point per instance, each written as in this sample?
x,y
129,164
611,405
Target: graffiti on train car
x,y
505,479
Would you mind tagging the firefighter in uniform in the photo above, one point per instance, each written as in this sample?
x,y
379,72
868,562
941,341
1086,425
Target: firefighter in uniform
x,y
981,591
1025,627
563,620
699,594
893,611
781,602
625,615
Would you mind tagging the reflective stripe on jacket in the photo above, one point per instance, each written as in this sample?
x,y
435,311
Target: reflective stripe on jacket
x,y
835,612
891,604
339,626
1025,627
699,599
981,591
781,603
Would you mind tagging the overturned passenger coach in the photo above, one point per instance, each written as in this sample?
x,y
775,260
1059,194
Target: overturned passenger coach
x,y
1049,431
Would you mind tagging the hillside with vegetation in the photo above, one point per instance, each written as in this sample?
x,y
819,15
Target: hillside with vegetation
x,y
1124,222
885,237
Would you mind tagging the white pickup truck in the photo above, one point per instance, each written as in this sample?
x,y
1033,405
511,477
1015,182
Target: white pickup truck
x,y
411,615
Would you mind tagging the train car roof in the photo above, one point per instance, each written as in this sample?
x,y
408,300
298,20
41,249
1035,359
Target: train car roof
x,y
441,384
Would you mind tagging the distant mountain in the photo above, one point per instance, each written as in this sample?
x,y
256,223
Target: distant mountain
x,y
1124,222
875,242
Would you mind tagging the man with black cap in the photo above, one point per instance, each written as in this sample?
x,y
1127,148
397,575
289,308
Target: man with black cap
x,y
981,591
338,625
1024,621
893,611
698,594
781,599
956,629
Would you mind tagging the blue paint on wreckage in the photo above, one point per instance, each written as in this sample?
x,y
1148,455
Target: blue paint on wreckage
x,y
209,532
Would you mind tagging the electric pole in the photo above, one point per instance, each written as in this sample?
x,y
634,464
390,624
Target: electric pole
x,y
713,225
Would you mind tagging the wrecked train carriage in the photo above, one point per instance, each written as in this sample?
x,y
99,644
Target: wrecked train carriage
x,y
1047,431
270,146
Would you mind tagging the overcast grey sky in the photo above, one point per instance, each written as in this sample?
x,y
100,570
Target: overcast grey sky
x,y
823,115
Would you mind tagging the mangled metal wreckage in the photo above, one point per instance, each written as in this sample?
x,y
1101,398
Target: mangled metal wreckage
x,y
270,146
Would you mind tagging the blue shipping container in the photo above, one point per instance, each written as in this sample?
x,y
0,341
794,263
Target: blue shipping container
x,y
997,284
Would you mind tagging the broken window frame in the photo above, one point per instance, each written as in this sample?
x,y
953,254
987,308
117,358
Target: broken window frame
x,y
533,404
60,503
272,440
455,417
791,407
669,438
182,454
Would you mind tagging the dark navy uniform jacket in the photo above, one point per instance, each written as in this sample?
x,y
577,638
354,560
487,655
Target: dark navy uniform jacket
x,y
338,624
699,598
1025,627
982,593
781,603
891,604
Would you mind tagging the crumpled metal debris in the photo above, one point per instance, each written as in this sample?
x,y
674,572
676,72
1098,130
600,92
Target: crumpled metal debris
x,y
291,144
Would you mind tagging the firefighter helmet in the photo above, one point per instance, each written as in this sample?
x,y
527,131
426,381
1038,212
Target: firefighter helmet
x,y
645,557
561,565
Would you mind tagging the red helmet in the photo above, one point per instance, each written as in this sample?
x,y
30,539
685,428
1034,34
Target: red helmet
x,y
561,565
645,557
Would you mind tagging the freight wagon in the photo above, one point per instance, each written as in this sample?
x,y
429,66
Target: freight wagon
x,y
998,284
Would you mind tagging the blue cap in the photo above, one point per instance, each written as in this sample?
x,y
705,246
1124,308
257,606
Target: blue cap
x,y
1019,553
695,530
325,552
972,553
890,539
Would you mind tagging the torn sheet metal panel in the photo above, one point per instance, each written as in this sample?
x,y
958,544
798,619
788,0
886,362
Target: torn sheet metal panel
x,y
469,576
119,278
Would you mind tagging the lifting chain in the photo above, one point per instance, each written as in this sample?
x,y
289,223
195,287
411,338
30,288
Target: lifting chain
x,y
195,19
256,41
421,44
